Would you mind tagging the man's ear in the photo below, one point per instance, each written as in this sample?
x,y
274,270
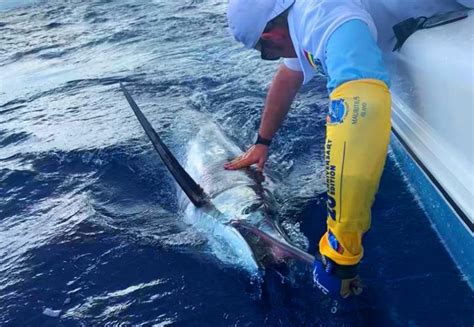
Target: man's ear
x,y
275,35
267,36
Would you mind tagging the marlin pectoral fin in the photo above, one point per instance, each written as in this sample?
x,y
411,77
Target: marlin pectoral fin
x,y
284,249
194,192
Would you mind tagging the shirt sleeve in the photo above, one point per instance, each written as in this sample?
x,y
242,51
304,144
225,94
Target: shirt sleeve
x,y
292,64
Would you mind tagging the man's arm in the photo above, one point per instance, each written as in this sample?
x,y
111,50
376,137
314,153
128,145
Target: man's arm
x,y
283,89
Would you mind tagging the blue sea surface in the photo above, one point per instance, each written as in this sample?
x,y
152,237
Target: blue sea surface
x,y
91,232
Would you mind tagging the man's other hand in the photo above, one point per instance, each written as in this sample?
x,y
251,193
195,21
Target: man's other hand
x,y
256,154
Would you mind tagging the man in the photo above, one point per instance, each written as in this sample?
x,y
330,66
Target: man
x,y
336,37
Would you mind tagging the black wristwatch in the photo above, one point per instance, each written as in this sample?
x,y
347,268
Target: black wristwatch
x,y
264,141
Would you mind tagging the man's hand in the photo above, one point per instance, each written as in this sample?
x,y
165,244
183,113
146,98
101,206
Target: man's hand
x,y
256,154
335,280
285,85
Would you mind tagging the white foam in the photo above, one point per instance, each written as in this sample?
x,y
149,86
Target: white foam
x,y
51,312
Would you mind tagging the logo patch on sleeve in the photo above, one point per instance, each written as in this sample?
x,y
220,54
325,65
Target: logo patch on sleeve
x,y
335,243
310,59
337,112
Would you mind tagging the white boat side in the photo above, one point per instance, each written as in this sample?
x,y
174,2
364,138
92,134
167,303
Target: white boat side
x,y
433,121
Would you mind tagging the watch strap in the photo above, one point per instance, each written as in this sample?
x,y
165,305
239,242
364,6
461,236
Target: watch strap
x,y
262,140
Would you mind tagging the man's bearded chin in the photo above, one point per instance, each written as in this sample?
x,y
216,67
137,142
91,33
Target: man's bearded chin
x,y
269,57
274,54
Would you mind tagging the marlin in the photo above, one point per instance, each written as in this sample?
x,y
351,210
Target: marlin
x,y
232,205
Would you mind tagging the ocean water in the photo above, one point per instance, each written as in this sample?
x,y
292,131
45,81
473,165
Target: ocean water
x,y
91,231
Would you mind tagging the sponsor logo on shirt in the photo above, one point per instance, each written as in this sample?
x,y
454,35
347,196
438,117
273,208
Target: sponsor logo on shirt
x,y
335,243
337,112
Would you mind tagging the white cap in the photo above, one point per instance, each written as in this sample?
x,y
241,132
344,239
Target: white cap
x,y
248,18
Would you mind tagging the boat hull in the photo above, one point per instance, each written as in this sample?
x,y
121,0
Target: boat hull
x,y
433,124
